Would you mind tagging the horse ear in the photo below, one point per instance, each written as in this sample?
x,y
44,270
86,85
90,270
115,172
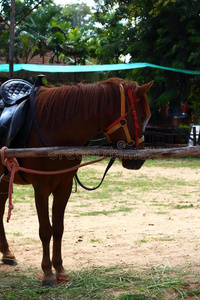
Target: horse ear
x,y
144,88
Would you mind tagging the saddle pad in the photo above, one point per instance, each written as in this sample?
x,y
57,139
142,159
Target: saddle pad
x,y
15,90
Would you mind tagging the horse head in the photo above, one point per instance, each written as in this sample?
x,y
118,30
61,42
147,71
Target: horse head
x,y
135,114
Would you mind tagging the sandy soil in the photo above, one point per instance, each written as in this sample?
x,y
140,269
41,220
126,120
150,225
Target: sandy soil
x,y
153,233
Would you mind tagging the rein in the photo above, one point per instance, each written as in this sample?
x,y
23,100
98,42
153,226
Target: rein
x,y
112,160
13,167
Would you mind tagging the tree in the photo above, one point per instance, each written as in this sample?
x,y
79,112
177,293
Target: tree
x,y
57,40
112,41
48,35
110,34
31,32
4,46
77,46
54,34
76,14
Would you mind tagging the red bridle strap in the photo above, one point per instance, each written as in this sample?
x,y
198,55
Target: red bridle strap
x,y
117,124
134,115
118,120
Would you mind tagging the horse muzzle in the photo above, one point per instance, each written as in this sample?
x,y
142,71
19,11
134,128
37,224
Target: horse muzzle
x,y
132,164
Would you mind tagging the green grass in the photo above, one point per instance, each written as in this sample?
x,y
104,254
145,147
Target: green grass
x,y
132,191
188,162
24,194
179,206
105,212
104,283
161,212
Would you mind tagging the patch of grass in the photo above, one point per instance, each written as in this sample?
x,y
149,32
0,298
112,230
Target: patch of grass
x,y
160,212
188,162
105,212
95,241
113,283
159,204
143,241
183,206
17,233
134,189
23,194
83,205
145,183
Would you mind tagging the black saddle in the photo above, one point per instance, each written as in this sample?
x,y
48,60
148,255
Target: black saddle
x,y
15,115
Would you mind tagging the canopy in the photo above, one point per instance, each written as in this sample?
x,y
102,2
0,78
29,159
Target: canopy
x,y
88,68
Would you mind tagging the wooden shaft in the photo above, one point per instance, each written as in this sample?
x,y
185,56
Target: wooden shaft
x,y
194,136
12,38
71,152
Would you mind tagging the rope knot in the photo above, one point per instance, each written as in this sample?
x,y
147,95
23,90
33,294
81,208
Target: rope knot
x,y
12,164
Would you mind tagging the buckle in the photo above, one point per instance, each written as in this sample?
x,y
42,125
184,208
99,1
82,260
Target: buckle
x,y
131,143
123,123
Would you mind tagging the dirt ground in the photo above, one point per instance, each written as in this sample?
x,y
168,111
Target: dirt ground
x,y
153,233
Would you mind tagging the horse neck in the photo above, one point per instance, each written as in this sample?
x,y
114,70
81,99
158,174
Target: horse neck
x,y
79,122
78,133
81,132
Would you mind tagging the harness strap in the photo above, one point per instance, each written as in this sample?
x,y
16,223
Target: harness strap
x,y
127,133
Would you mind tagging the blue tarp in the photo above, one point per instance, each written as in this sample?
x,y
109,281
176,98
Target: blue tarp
x,y
88,68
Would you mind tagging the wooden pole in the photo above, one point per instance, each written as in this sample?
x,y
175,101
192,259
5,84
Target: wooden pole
x,y
12,38
194,136
71,152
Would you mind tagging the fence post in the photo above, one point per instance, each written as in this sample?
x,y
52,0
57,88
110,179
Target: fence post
x,y
194,136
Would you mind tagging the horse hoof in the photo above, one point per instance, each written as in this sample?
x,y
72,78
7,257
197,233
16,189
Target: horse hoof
x,y
49,283
9,261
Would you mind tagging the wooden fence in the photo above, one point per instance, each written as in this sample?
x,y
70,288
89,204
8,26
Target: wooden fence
x,y
69,152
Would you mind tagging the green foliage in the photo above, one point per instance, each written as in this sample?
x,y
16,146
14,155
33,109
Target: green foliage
x,y
76,14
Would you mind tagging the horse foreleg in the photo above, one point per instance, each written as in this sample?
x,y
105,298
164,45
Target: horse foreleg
x,y
45,233
8,257
61,197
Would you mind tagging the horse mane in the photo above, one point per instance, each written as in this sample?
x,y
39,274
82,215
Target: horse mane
x,y
57,106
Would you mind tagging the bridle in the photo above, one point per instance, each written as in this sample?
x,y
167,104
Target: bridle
x,y
121,122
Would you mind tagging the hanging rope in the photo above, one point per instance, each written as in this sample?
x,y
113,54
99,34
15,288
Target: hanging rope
x,y
13,167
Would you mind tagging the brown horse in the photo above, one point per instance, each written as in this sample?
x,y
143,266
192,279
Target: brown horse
x,y
71,116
